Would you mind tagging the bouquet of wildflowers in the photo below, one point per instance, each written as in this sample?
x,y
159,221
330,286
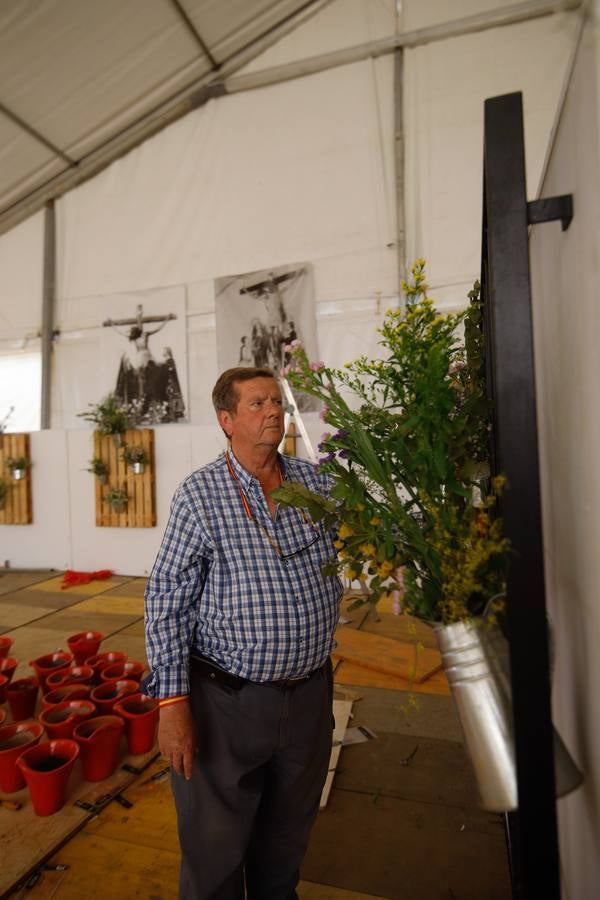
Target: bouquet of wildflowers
x,y
407,447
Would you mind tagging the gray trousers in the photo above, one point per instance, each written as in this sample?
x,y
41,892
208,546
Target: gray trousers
x,y
246,814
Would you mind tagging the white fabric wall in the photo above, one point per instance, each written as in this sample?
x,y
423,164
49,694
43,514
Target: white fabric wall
x,y
565,278
299,171
445,87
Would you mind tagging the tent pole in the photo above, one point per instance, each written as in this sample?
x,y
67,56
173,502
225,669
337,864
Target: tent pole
x,y
49,282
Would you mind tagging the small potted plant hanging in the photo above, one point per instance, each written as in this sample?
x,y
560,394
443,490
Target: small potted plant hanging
x,y
109,416
99,468
136,457
116,498
18,466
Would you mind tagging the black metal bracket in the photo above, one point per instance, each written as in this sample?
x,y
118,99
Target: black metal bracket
x,y
551,208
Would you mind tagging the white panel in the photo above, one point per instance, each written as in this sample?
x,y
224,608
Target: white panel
x,y
565,277
46,543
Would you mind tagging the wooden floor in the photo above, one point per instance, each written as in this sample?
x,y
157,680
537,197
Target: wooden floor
x,y
390,830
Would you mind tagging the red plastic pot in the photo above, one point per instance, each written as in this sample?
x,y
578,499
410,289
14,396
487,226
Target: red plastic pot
x,y
3,682
131,670
102,660
46,769
5,645
60,720
141,721
72,675
67,692
106,695
99,741
8,666
14,739
50,663
84,644
22,697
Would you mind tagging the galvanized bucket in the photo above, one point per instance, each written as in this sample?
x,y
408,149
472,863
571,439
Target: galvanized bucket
x,y
476,662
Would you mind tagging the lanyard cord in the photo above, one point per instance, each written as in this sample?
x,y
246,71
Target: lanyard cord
x,y
250,513
248,508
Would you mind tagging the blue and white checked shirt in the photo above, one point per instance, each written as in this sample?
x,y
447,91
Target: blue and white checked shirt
x,y
219,589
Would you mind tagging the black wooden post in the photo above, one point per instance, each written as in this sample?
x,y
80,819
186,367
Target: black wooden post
x,y
507,313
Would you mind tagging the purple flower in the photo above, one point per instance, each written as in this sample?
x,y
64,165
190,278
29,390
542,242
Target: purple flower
x,y
343,454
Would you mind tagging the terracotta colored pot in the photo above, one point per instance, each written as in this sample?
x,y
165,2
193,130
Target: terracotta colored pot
x,y
8,666
60,720
66,692
50,663
22,697
84,644
46,769
131,670
106,695
3,682
5,645
14,739
141,721
72,675
99,741
102,660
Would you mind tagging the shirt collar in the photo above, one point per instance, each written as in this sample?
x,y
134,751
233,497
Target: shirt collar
x,y
246,479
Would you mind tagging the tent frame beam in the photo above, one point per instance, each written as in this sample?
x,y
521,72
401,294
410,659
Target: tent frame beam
x,y
219,84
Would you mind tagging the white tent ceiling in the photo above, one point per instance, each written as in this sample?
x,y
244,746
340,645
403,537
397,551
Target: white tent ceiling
x,y
78,75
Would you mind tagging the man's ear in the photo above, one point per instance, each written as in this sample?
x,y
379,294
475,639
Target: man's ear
x,y
225,420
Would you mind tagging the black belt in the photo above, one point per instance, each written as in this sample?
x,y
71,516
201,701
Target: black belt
x,y
209,669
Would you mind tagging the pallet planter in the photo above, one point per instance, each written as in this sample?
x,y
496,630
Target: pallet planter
x,y
140,509
17,508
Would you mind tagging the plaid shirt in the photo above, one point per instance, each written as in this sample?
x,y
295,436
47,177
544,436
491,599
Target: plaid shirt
x,y
219,589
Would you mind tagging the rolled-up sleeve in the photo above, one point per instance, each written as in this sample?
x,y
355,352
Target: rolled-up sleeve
x,y
173,592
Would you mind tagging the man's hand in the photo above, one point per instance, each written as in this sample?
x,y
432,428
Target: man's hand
x,y
177,738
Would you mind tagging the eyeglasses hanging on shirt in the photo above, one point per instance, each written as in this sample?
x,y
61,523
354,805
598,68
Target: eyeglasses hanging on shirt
x,y
250,514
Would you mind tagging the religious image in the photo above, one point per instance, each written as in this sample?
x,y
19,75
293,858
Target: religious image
x,y
260,313
147,384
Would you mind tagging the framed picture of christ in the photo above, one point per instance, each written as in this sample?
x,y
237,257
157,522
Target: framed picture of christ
x,y
259,314
143,344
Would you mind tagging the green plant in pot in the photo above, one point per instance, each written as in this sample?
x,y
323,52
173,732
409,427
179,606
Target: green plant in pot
x,y
117,498
99,468
136,457
406,449
412,501
109,416
18,466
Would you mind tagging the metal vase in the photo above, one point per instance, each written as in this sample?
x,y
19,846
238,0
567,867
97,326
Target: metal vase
x,y
475,657
18,474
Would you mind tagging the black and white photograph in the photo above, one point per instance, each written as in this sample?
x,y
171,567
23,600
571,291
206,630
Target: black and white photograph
x,y
260,313
143,347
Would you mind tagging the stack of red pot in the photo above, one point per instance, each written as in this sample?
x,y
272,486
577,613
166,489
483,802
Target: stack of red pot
x,y
89,701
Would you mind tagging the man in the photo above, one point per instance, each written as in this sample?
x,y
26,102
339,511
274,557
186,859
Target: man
x,y
239,625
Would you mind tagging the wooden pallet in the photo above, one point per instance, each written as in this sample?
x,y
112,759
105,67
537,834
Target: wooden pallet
x,y
140,511
17,507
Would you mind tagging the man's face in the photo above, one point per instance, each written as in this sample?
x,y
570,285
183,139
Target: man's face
x,y
258,420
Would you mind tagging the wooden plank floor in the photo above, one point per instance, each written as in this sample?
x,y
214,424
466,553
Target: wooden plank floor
x,y
133,853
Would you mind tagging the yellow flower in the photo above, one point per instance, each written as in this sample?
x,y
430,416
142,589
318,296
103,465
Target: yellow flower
x,y
369,550
384,569
375,521
339,545
351,574
345,531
